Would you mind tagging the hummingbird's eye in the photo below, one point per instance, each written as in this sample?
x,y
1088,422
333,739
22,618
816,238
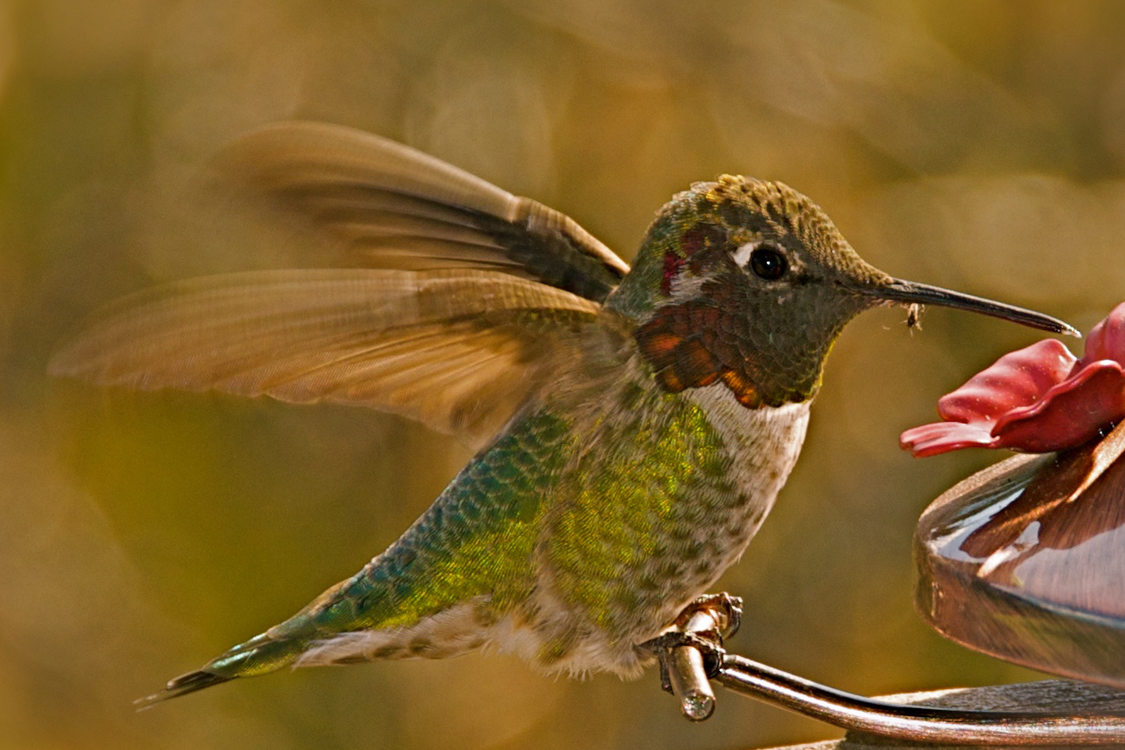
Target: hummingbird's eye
x,y
767,262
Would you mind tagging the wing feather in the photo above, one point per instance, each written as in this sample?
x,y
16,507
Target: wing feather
x,y
396,206
456,350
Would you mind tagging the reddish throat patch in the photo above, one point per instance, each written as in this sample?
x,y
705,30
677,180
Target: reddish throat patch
x,y
683,343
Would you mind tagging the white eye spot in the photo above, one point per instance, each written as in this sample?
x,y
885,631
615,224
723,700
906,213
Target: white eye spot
x,y
742,254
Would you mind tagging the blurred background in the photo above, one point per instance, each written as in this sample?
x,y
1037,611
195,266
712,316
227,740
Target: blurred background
x,y
976,145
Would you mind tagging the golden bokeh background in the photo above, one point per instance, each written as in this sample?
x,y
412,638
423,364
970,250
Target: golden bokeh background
x,y
973,144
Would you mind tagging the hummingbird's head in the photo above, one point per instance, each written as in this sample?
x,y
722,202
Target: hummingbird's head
x,y
749,283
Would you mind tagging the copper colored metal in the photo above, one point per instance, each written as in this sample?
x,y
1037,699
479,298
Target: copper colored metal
x,y
1026,561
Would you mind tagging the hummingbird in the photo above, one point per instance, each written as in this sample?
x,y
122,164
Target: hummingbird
x,y
633,425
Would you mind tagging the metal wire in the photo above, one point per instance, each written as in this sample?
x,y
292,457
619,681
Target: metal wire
x,y
913,722
685,661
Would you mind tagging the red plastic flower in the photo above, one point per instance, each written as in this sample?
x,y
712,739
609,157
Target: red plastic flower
x,y
1037,399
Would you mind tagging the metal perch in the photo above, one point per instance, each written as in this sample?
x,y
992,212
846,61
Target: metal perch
x,y
691,655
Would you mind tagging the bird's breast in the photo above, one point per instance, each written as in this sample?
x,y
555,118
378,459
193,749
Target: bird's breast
x,y
663,494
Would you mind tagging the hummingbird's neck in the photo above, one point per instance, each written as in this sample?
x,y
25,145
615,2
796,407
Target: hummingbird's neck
x,y
696,343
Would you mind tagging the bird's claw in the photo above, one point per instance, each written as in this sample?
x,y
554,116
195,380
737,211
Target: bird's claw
x,y
724,609
691,650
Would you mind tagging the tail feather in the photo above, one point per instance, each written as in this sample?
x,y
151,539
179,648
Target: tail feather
x,y
258,655
182,685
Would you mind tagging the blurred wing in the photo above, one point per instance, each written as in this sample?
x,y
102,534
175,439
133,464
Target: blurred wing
x,y
456,350
400,208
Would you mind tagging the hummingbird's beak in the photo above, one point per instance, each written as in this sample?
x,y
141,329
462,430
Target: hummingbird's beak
x,y
909,292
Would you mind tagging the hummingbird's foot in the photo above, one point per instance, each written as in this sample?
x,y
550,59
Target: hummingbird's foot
x,y
666,643
725,610
702,625
691,651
